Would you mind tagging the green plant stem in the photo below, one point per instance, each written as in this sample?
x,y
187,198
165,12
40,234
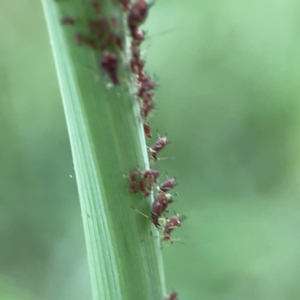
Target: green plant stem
x,y
107,142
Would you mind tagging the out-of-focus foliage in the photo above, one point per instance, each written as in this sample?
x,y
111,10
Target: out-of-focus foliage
x,y
229,96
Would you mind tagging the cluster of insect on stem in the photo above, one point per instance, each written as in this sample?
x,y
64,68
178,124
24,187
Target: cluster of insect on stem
x,y
146,181
101,34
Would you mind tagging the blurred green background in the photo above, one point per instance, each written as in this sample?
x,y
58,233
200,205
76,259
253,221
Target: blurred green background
x,y
229,75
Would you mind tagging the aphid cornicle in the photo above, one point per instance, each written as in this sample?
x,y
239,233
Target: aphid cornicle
x,y
109,63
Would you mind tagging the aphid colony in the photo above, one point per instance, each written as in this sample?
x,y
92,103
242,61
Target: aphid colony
x,y
102,35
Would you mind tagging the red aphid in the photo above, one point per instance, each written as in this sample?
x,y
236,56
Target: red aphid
x,y
167,185
132,187
102,24
159,206
113,22
172,296
146,108
137,15
172,223
147,96
138,36
110,40
151,173
151,177
91,42
142,185
79,38
93,26
119,42
158,146
96,7
140,63
109,62
133,176
145,84
147,130
67,21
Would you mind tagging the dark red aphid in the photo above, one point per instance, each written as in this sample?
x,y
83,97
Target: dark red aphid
x,y
133,179
172,223
147,130
172,296
151,173
145,84
150,177
67,21
91,43
93,26
138,36
119,42
113,22
137,15
159,206
147,96
133,187
167,185
96,7
109,62
134,175
158,146
79,38
146,108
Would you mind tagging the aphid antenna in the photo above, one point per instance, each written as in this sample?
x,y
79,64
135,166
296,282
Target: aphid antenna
x,y
141,213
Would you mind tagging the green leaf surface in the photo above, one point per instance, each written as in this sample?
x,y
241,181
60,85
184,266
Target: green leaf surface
x,y
107,142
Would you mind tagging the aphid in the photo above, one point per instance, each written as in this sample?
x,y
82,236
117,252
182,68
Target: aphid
x,y
159,206
147,96
91,42
172,296
137,15
113,22
158,146
133,176
147,130
171,224
96,7
151,177
145,84
79,38
146,108
132,187
93,26
138,36
167,185
109,63
67,21
119,42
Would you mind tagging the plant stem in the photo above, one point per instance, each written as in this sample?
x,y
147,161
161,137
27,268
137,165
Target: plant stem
x,y
107,142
